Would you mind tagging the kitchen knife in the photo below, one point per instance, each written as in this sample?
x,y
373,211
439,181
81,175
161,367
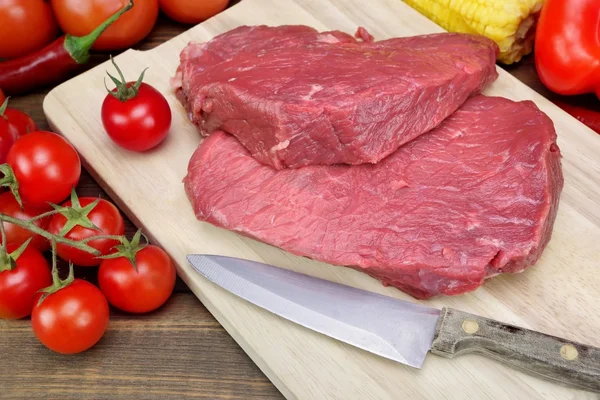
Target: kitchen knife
x,y
399,330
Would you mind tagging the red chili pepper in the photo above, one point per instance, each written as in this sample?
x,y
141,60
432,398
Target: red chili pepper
x,y
567,49
591,118
53,63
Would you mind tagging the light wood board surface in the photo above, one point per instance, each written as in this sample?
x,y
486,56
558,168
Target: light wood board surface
x,y
560,295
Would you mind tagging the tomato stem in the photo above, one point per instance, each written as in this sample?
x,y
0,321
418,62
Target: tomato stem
x,y
129,249
3,233
55,277
76,215
30,226
8,262
10,181
44,215
57,283
124,90
105,237
5,263
3,108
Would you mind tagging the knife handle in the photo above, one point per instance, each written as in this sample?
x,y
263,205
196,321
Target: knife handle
x,y
533,352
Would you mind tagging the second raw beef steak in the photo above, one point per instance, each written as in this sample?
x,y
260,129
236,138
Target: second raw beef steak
x,y
475,197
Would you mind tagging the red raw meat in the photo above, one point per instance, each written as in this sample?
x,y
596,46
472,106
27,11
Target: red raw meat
x,y
475,197
295,97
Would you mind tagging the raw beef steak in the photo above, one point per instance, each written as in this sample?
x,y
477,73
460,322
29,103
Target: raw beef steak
x,y
475,197
295,97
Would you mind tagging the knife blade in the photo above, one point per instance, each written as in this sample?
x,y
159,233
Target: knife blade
x,y
398,330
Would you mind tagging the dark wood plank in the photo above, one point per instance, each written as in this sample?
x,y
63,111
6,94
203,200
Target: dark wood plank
x,y
177,352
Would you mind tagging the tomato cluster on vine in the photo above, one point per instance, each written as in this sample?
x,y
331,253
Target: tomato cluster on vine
x,y
41,170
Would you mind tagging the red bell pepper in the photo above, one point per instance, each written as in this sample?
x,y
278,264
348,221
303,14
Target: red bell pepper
x,y
567,46
587,116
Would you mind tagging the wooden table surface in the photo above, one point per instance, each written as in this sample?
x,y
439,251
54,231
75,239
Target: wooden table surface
x,y
177,352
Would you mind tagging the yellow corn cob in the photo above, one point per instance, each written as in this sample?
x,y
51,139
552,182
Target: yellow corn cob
x,y
510,23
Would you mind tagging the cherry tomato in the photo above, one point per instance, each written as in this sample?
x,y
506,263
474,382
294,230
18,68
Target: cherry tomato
x,y
80,17
105,216
138,291
72,319
19,286
140,123
192,12
25,26
17,235
46,166
2,96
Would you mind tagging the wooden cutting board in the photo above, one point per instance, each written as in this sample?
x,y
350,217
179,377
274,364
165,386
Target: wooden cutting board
x,y
560,296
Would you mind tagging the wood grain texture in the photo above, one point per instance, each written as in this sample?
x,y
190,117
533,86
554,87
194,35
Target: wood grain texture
x,y
177,352
571,363
559,295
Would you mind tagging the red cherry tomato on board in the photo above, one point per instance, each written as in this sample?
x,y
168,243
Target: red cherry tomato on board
x,y
140,123
46,166
105,216
72,319
25,26
80,17
138,291
19,286
16,235
2,96
135,116
192,12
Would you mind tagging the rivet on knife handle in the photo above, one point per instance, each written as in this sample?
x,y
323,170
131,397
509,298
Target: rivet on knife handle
x,y
533,352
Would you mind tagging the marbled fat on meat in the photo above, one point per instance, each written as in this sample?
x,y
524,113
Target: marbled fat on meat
x,y
475,197
294,96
